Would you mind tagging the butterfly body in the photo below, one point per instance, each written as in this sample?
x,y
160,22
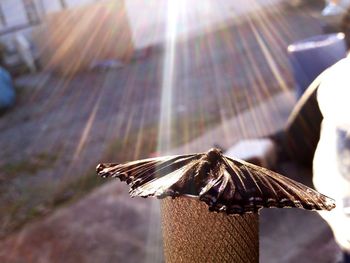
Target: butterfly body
x,y
201,170
224,184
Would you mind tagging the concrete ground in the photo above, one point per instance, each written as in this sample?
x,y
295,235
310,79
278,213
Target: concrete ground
x,y
109,226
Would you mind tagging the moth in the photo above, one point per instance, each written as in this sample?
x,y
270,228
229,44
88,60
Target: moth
x,y
226,185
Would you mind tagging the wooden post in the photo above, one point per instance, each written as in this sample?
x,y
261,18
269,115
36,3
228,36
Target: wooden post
x,y
193,234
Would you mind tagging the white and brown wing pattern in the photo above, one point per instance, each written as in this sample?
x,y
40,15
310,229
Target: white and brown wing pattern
x,y
224,184
151,177
243,187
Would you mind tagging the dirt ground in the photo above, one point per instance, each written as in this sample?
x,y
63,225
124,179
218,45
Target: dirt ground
x,y
61,128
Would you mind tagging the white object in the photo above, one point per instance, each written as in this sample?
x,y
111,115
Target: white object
x,y
331,165
24,51
261,149
335,7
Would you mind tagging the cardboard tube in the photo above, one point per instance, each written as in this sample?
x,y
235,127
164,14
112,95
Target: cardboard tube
x,y
193,234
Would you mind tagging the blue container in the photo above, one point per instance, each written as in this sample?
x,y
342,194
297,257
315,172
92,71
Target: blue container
x,y
7,92
311,56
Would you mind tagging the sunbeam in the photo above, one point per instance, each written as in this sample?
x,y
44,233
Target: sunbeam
x,y
164,139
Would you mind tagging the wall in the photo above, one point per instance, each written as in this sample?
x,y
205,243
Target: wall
x,y
15,15
148,18
70,40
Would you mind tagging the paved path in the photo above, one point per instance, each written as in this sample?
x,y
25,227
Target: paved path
x,y
263,119
108,226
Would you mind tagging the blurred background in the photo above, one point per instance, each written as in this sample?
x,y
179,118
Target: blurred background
x,y
89,81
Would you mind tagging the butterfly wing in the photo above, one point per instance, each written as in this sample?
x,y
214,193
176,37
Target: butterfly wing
x,y
242,187
231,186
151,177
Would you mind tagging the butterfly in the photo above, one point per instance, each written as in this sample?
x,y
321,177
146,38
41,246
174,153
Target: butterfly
x,y
226,185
